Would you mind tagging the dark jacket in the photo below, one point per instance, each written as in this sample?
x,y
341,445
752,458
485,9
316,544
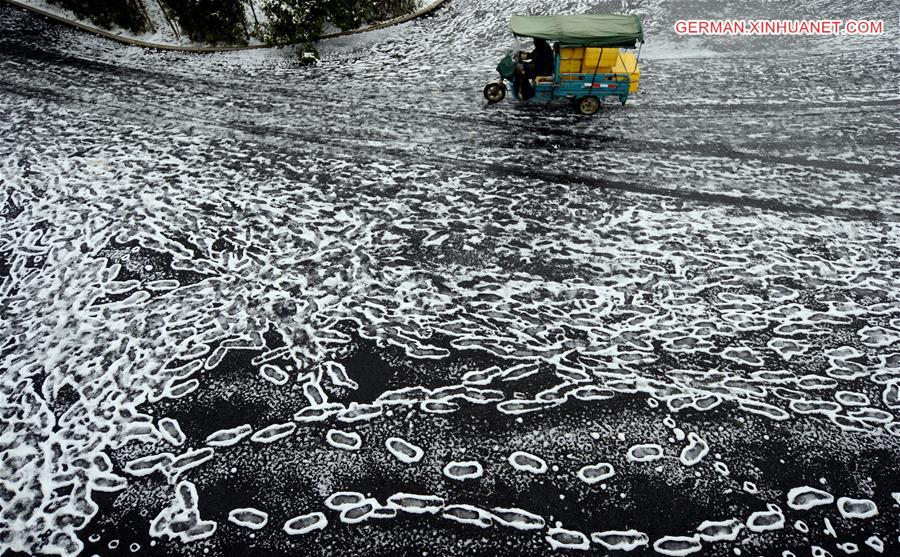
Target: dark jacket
x,y
542,58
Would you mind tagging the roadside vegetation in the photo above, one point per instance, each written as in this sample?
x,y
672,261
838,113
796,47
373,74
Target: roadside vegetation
x,y
128,14
237,22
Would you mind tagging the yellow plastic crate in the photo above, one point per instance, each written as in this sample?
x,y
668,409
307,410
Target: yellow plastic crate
x,y
599,59
569,66
571,53
627,64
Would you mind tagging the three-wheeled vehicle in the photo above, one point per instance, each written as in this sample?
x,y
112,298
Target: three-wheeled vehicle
x,y
589,65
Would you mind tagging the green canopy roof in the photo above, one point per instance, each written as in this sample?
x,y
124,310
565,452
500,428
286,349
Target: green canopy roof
x,y
587,29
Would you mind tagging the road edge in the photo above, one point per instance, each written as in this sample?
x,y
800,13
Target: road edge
x,y
161,46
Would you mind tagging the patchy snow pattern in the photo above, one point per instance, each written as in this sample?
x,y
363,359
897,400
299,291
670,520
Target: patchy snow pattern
x,y
253,308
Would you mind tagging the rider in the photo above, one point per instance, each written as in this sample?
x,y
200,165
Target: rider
x,y
538,62
541,58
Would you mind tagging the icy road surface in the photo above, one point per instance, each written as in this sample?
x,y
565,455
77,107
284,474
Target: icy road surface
x,y
249,308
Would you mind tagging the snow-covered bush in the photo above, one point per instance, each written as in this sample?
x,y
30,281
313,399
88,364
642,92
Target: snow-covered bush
x,y
210,21
127,14
293,21
298,22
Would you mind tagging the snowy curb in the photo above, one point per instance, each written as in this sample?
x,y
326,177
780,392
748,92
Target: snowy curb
x,y
160,46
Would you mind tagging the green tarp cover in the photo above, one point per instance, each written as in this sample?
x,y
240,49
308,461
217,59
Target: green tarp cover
x,y
507,67
587,29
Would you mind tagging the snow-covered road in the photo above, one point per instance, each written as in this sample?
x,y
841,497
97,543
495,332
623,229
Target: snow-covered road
x,y
253,308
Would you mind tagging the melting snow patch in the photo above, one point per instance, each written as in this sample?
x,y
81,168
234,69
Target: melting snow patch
x,y
761,521
805,497
317,413
190,459
527,462
359,413
467,514
677,546
338,375
171,431
274,432
228,437
596,473
567,539
644,453
695,451
359,512
403,450
856,508
273,374
305,523
344,500
248,518
876,543
347,440
621,540
715,531
416,504
146,465
466,470
518,518
181,519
